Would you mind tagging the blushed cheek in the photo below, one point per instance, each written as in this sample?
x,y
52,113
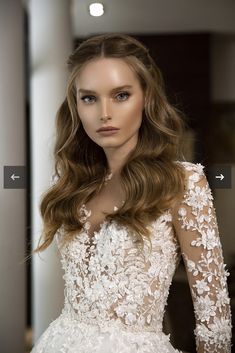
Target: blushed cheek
x,y
134,121
83,118
88,126
138,112
88,130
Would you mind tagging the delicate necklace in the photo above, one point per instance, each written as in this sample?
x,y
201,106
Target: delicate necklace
x,y
107,178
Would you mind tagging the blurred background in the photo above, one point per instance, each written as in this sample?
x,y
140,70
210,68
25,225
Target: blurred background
x,y
193,43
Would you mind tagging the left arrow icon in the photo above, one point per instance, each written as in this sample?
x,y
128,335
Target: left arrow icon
x,y
13,176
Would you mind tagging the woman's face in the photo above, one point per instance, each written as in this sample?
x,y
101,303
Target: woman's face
x,y
109,94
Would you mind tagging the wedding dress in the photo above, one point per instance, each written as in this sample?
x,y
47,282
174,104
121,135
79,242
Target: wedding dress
x,y
116,294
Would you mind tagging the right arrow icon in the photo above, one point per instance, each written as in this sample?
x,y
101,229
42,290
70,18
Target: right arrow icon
x,y
221,177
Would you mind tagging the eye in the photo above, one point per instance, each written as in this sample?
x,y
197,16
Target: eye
x,y
123,96
86,99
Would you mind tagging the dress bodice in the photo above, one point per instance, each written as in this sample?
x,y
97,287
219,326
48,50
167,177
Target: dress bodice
x,y
112,279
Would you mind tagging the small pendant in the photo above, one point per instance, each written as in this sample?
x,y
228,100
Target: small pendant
x,y
108,177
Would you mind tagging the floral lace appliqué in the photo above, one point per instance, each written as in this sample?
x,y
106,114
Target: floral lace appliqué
x,y
202,252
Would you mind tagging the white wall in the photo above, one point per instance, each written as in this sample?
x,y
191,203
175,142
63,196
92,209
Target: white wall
x,y
50,44
157,16
12,201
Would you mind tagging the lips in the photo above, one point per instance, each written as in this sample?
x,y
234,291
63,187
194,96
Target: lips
x,y
108,128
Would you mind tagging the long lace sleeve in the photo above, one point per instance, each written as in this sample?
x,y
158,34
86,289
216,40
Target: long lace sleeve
x,y
196,229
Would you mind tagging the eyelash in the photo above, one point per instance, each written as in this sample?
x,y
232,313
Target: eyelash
x,y
88,96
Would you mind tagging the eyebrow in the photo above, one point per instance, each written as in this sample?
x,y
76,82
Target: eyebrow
x,y
82,90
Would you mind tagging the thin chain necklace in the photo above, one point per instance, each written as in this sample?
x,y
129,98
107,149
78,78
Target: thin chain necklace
x,y
107,178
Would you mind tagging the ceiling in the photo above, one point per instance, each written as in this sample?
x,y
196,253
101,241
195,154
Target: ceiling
x,y
155,16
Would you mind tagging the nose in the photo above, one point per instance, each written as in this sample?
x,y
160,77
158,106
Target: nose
x,y
105,107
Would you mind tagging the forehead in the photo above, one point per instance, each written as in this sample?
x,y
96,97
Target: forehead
x,y
114,71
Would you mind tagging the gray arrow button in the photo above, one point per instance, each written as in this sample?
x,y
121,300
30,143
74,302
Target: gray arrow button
x,y
14,177
220,176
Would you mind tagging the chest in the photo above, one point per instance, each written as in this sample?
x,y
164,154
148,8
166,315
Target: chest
x,y
106,202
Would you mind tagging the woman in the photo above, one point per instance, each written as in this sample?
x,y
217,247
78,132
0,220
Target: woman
x,y
124,209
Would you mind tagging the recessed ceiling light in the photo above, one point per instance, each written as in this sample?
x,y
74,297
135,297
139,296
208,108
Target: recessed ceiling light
x,y
96,9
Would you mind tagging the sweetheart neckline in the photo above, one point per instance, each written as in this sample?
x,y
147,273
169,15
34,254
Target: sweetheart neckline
x,y
86,221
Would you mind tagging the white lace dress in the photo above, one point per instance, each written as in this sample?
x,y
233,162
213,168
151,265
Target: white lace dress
x,y
115,295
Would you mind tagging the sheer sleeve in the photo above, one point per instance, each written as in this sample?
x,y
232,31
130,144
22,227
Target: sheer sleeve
x,y
196,229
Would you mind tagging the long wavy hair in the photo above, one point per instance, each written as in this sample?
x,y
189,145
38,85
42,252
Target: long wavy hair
x,y
151,178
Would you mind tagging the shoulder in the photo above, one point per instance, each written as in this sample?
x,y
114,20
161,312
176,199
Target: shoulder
x,y
194,174
197,168
197,190
195,205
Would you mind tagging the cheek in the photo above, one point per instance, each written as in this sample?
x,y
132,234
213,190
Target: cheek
x,y
81,112
85,117
134,111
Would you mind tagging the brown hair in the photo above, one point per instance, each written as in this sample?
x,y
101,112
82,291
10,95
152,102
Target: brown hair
x,y
150,177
